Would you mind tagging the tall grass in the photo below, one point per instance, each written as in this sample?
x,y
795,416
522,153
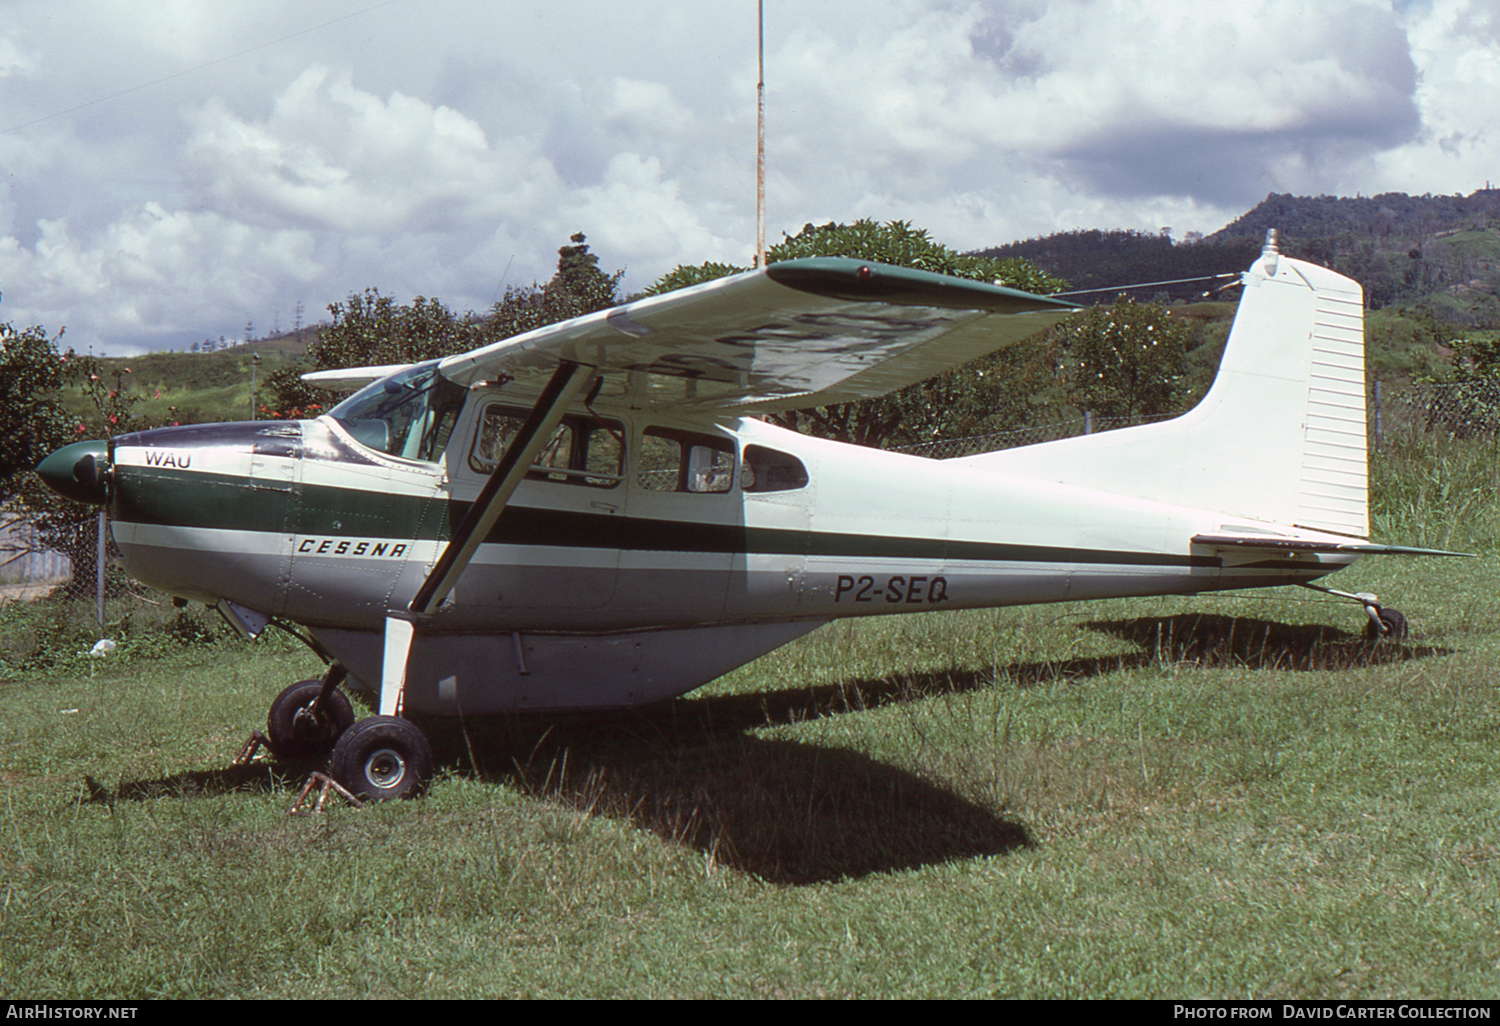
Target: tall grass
x,y
1437,491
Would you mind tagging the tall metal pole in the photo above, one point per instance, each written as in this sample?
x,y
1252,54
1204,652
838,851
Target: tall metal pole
x,y
100,547
760,145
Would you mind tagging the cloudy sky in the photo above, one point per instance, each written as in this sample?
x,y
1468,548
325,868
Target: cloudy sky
x,y
173,169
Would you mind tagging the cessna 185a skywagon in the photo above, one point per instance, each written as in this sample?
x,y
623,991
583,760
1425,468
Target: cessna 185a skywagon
x,y
592,515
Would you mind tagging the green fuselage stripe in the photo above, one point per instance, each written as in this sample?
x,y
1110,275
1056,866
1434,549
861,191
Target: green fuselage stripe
x,y
226,502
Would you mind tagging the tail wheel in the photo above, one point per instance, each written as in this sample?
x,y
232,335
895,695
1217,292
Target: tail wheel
x,y
382,757
1392,625
296,732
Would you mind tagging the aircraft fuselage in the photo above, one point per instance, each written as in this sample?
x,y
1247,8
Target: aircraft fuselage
x,y
752,531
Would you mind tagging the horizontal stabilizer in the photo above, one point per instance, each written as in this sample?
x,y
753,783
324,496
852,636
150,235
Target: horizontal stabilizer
x,y
1311,545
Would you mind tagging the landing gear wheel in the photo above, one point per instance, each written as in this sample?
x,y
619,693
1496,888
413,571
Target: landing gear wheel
x,y
382,757
296,733
1392,625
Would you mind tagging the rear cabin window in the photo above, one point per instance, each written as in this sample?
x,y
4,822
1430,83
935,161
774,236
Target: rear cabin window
x,y
583,450
683,461
767,470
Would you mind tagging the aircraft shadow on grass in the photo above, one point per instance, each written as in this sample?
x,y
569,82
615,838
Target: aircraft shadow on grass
x,y
1213,639
694,772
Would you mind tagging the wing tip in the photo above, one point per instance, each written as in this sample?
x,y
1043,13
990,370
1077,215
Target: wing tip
x,y
866,281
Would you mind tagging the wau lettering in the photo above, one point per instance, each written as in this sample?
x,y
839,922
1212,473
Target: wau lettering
x,y
157,458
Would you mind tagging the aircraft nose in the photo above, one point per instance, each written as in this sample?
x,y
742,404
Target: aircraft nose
x,y
78,471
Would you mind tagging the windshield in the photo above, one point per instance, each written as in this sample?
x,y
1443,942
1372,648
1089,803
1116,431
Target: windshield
x,y
409,414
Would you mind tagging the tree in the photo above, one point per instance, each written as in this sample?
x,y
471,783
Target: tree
x,y
33,420
579,279
370,329
1125,360
896,243
577,288
988,395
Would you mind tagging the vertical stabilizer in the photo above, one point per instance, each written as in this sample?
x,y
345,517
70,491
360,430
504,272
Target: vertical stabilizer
x,y
1279,437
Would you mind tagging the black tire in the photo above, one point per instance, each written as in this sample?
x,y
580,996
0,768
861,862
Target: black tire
x,y
381,758
294,732
1392,626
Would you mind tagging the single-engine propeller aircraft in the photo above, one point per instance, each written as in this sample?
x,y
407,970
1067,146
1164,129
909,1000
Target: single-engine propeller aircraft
x,y
592,515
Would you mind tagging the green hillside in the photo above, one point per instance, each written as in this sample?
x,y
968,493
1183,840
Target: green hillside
x,y
194,388
1429,266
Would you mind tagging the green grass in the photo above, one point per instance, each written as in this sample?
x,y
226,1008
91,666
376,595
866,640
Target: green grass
x,y
1230,797
1434,491
1474,244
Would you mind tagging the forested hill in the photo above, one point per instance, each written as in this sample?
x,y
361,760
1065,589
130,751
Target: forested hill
x,y
1440,253
1110,261
1393,216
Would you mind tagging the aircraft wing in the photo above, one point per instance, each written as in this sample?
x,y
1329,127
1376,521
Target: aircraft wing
x,y
353,377
797,333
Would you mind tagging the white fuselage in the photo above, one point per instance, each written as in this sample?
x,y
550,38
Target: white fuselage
x,y
306,524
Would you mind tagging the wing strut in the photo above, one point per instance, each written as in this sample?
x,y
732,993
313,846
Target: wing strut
x,y
400,627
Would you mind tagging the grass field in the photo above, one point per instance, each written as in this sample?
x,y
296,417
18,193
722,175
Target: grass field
x,y
1231,797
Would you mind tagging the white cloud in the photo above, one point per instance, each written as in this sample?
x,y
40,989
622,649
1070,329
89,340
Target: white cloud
x,y
334,156
151,272
647,107
1133,98
1457,46
639,211
14,60
188,167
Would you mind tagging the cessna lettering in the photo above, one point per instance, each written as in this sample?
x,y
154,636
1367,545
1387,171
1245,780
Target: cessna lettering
x,y
384,549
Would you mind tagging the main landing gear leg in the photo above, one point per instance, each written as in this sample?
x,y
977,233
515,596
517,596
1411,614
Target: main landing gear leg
x,y
386,756
1383,623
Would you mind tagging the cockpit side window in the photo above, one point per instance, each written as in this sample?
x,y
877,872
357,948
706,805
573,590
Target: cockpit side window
x,y
670,460
583,450
410,414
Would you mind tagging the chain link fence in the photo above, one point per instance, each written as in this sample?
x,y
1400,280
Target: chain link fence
x,y
34,563
1468,409
952,448
1463,409
28,567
